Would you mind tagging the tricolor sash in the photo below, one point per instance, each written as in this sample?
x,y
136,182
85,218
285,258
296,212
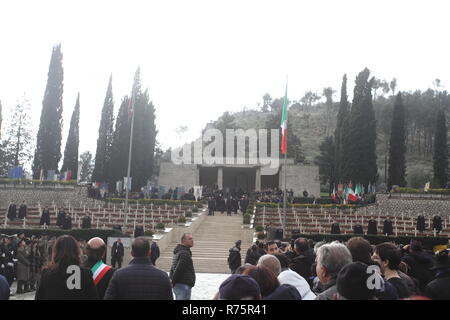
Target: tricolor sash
x,y
99,270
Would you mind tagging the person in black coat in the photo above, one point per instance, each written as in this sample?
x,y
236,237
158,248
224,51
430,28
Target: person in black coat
x,y
220,205
439,287
67,222
252,255
23,210
358,229
335,229
211,206
372,227
140,280
86,222
102,273
244,204
303,259
437,223
60,217
182,273
45,217
420,264
229,206
12,211
117,253
154,249
63,271
420,223
234,258
387,227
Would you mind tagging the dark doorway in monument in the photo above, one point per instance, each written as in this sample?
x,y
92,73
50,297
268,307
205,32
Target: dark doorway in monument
x,y
270,181
239,178
208,176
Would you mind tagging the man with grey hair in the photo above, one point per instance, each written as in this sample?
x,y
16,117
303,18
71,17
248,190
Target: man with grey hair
x,y
331,258
278,264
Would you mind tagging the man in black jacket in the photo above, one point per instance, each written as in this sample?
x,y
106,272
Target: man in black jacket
x,y
303,259
117,253
439,288
182,272
102,273
140,280
234,258
211,206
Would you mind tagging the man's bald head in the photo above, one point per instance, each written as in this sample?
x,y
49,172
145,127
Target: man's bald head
x,y
96,243
95,249
270,262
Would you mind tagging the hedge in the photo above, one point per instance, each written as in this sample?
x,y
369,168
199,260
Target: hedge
x,y
430,191
85,234
289,205
322,200
428,242
36,182
158,202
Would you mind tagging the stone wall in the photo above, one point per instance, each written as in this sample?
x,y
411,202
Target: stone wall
x,y
46,196
172,175
300,178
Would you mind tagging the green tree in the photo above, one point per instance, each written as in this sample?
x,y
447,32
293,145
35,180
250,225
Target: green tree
x,y
326,162
73,140
144,139
361,166
87,166
440,158
48,144
105,137
341,127
18,135
397,147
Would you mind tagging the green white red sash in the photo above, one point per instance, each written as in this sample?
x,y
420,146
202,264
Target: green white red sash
x,y
99,270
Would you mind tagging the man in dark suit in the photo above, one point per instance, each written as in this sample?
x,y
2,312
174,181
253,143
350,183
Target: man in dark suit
x,y
140,280
372,226
117,253
102,273
211,206
244,204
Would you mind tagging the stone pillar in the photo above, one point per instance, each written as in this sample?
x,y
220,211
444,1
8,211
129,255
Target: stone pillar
x,y
197,176
258,180
220,178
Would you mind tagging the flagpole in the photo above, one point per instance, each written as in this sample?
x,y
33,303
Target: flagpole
x,y
133,93
284,195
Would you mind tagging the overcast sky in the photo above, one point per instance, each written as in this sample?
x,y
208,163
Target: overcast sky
x,y
201,58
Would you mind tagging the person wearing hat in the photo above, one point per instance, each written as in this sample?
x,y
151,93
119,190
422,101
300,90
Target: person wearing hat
x,y
239,287
439,288
234,258
23,268
352,283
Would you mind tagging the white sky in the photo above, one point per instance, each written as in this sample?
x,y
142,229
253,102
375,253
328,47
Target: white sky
x,y
201,58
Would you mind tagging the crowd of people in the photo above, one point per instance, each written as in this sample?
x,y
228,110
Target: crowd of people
x,y
272,270
355,270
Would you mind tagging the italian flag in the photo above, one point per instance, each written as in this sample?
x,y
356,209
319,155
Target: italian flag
x,y
284,124
351,195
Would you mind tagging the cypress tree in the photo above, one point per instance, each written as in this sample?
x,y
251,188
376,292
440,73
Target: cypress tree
x,y
440,157
342,116
48,144
121,143
144,139
73,140
105,137
397,147
359,141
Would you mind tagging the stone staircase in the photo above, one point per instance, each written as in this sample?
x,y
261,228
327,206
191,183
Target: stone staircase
x,y
212,240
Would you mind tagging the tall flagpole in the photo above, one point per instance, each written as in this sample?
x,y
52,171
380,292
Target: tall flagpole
x,y
133,94
285,168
